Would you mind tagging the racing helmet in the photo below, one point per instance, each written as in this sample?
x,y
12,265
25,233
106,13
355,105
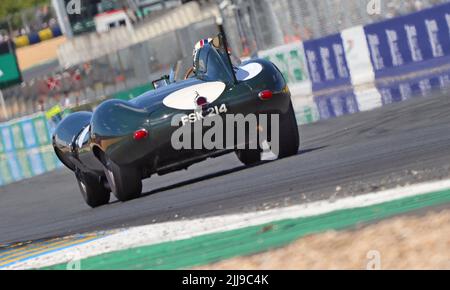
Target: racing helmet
x,y
198,46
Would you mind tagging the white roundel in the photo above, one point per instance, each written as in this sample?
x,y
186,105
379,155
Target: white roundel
x,y
184,99
248,71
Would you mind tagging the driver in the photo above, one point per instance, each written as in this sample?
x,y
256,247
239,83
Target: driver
x,y
199,45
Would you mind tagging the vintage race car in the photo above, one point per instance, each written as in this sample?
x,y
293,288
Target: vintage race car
x,y
123,142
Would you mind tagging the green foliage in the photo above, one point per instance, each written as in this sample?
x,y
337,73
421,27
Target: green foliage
x,y
9,7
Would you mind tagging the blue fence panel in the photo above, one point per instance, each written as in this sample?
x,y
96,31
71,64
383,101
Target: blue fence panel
x,y
25,149
393,91
29,133
6,136
410,43
14,167
336,104
36,162
327,63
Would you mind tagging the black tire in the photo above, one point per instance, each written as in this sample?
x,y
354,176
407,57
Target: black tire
x,y
289,135
92,189
249,157
125,182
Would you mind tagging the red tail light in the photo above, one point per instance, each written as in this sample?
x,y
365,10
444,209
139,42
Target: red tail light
x,y
266,95
140,134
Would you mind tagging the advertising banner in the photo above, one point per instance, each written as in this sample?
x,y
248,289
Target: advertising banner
x,y
9,70
420,86
29,134
13,166
336,104
35,132
7,142
307,114
368,98
410,43
5,171
49,159
290,59
24,164
42,130
357,55
25,149
361,69
36,162
17,136
327,62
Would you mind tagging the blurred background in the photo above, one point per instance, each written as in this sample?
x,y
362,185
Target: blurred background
x,y
339,57
61,56
114,48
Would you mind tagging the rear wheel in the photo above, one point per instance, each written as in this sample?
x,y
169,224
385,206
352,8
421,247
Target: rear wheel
x,y
289,135
250,156
125,182
94,192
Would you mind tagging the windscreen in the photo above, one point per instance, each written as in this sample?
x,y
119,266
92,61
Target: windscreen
x,y
210,65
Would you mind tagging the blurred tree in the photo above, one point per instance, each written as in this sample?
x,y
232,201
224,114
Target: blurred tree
x,y
9,7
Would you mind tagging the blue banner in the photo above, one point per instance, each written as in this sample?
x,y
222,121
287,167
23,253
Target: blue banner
x,y
14,167
7,142
327,63
336,104
36,162
25,149
410,43
393,91
29,133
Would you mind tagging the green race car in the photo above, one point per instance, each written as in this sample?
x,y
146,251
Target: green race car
x,y
123,142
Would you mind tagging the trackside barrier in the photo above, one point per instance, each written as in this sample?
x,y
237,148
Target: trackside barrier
x,y
26,146
359,69
36,37
25,149
366,67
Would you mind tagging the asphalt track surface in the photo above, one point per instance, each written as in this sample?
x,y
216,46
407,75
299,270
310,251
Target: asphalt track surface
x,y
399,144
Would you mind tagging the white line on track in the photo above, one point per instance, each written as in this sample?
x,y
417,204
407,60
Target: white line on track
x,y
180,230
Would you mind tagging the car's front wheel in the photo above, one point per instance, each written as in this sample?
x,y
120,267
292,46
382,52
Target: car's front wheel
x,y
94,192
125,182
